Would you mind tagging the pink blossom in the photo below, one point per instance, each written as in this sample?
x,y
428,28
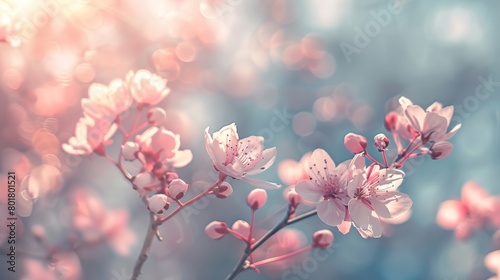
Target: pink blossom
x,y
223,190
475,210
96,223
380,142
158,203
374,196
327,187
216,230
257,198
156,116
237,157
146,87
291,172
431,124
441,150
177,188
63,265
241,227
130,150
355,143
160,145
492,262
107,101
90,135
322,239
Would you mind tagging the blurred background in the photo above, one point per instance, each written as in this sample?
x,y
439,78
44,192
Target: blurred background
x,y
302,74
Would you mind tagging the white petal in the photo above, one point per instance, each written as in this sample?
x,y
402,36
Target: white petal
x,y
308,191
396,202
181,158
390,179
268,157
354,184
359,213
320,166
331,212
415,115
261,184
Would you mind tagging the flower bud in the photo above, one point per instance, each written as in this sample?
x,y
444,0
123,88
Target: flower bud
x,y
158,203
216,230
381,142
156,116
391,120
141,181
223,190
322,239
257,198
355,143
293,198
241,227
130,150
177,188
441,150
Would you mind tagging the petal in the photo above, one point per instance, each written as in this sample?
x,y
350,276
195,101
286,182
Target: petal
x,y
309,191
404,102
354,184
376,226
208,145
237,167
268,157
390,179
181,158
219,153
320,166
434,107
331,212
415,115
434,126
379,208
451,133
359,213
395,202
446,113
261,184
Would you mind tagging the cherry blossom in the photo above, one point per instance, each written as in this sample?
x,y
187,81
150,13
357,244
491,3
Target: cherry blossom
x,y
492,262
159,145
475,210
322,239
355,143
216,230
107,101
90,135
374,196
431,124
257,198
237,157
326,186
146,87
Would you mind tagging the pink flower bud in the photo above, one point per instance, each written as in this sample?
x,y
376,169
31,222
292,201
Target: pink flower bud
x,y
38,232
293,198
177,188
141,181
156,116
322,239
158,203
391,121
441,150
224,190
381,142
216,230
130,150
257,198
355,143
241,227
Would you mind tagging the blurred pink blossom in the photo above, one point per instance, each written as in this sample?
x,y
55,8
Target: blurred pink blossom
x,y
107,101
90,135
146,87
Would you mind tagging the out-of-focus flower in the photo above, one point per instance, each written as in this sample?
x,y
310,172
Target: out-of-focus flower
x,y
141,181
146,87
91,135
291,172
130,150
177,188
374,195
293,198
63,265
327,187
475,210
257,198
158,203
237,157
95,223
107,101
216,230
160,145
492,262
431,124
441,150
322,239
10,26
355,143
156,116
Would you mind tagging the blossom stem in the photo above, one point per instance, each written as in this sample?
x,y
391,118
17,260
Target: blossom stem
x,y
407,156
146,247
372,159
286,221
252,221
238,235
282,257
192,200
385,159
405,152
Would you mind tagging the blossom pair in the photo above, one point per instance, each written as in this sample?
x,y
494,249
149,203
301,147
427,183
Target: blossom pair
x,y
353,192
